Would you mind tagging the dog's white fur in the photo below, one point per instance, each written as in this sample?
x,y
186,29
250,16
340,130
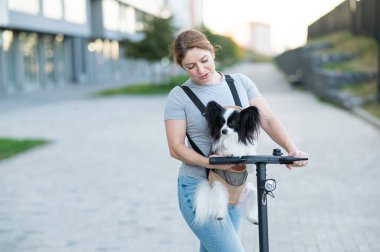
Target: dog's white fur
x,y
228,144
211,201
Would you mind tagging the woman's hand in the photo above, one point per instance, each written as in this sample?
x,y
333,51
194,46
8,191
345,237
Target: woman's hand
x,y
297,153
221,167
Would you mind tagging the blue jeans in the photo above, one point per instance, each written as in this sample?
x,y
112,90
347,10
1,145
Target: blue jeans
x,y
215,236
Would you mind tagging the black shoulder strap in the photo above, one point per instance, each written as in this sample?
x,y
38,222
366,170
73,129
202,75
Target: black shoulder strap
x,y
201,108
194,99
234,92
194,146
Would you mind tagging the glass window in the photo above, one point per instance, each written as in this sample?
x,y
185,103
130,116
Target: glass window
x,y
28,44
115,50
59,58
7,40
128,20
52,8
49,58
29,6
150,6
106,49
9,48
111,15
75,11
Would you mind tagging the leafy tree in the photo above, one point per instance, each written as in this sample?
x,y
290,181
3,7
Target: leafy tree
x,y
230,50
159,34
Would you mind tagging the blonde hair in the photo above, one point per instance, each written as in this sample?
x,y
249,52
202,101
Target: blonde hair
x,y
188,40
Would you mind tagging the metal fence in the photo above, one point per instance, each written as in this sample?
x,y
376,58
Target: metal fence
x,y
361,17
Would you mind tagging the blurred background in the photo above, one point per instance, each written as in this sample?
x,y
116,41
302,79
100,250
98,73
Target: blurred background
x,y
84,163
47,44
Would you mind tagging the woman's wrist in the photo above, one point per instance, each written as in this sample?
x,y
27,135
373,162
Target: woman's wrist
x,y
292,151
206,163
291,148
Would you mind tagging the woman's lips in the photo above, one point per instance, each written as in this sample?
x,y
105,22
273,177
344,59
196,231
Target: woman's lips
x,y
205,76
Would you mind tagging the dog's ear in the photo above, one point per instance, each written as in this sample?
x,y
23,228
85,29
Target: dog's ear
x,y
213,108
213,105
249,124
213,115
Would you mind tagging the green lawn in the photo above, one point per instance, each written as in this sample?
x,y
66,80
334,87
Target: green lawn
x,y
362,89
364,48
138,89
373,108
146,88
10,147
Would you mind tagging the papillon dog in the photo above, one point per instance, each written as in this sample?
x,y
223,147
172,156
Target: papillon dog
x,y
233,133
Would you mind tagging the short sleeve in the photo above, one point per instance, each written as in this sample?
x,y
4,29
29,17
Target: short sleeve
x,y
174,109
252,90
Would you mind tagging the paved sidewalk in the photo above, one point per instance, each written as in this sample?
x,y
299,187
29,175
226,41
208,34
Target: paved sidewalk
x,y
107,183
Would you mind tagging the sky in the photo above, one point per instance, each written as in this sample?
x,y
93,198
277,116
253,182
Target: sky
x,y
288,19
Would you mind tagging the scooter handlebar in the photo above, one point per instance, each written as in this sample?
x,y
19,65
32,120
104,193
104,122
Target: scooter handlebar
x,y
255,160
291,159
225,160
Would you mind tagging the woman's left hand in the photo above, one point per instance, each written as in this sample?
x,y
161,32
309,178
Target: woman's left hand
x,y
301,163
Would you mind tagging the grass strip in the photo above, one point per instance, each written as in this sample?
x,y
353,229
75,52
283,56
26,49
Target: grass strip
x,y
10,147
146,88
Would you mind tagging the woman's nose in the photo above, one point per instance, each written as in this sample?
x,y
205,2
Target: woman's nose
x,y
200,69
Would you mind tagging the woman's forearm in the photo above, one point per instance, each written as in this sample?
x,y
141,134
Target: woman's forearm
x,y
185,154
189,156
273,127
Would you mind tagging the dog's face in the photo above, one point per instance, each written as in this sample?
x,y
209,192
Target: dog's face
x,y
229,122
225,122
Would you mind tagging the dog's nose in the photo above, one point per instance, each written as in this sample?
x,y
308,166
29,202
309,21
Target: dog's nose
x,y
224,131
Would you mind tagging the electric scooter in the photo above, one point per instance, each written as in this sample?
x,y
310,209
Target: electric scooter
x,y
265,186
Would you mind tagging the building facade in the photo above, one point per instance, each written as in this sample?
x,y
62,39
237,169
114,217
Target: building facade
x,y
186,13
260,38
50,43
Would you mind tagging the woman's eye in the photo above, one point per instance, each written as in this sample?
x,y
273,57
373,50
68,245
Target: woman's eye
x,y
204,61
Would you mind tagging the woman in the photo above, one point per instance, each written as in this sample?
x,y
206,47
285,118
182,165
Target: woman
x,y
195,54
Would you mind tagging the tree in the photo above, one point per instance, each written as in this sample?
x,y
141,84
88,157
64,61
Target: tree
x,y
159,34
230,50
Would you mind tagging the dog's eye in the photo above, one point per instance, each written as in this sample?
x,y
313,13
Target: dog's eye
x,y
232,123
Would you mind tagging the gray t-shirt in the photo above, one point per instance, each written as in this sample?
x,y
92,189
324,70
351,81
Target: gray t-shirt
x,y
180,107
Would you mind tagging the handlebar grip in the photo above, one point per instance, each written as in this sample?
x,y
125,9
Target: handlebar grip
x,y
290,160
225,160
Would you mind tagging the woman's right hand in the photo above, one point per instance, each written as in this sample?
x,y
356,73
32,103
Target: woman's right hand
x,y
221,166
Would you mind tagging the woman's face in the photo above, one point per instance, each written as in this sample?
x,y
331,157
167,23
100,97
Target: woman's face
x,y
200,66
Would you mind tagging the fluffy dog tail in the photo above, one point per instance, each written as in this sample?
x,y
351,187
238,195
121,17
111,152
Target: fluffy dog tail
x,y
210,202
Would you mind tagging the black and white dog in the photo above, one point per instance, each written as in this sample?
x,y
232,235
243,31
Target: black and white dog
x,y
233,133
